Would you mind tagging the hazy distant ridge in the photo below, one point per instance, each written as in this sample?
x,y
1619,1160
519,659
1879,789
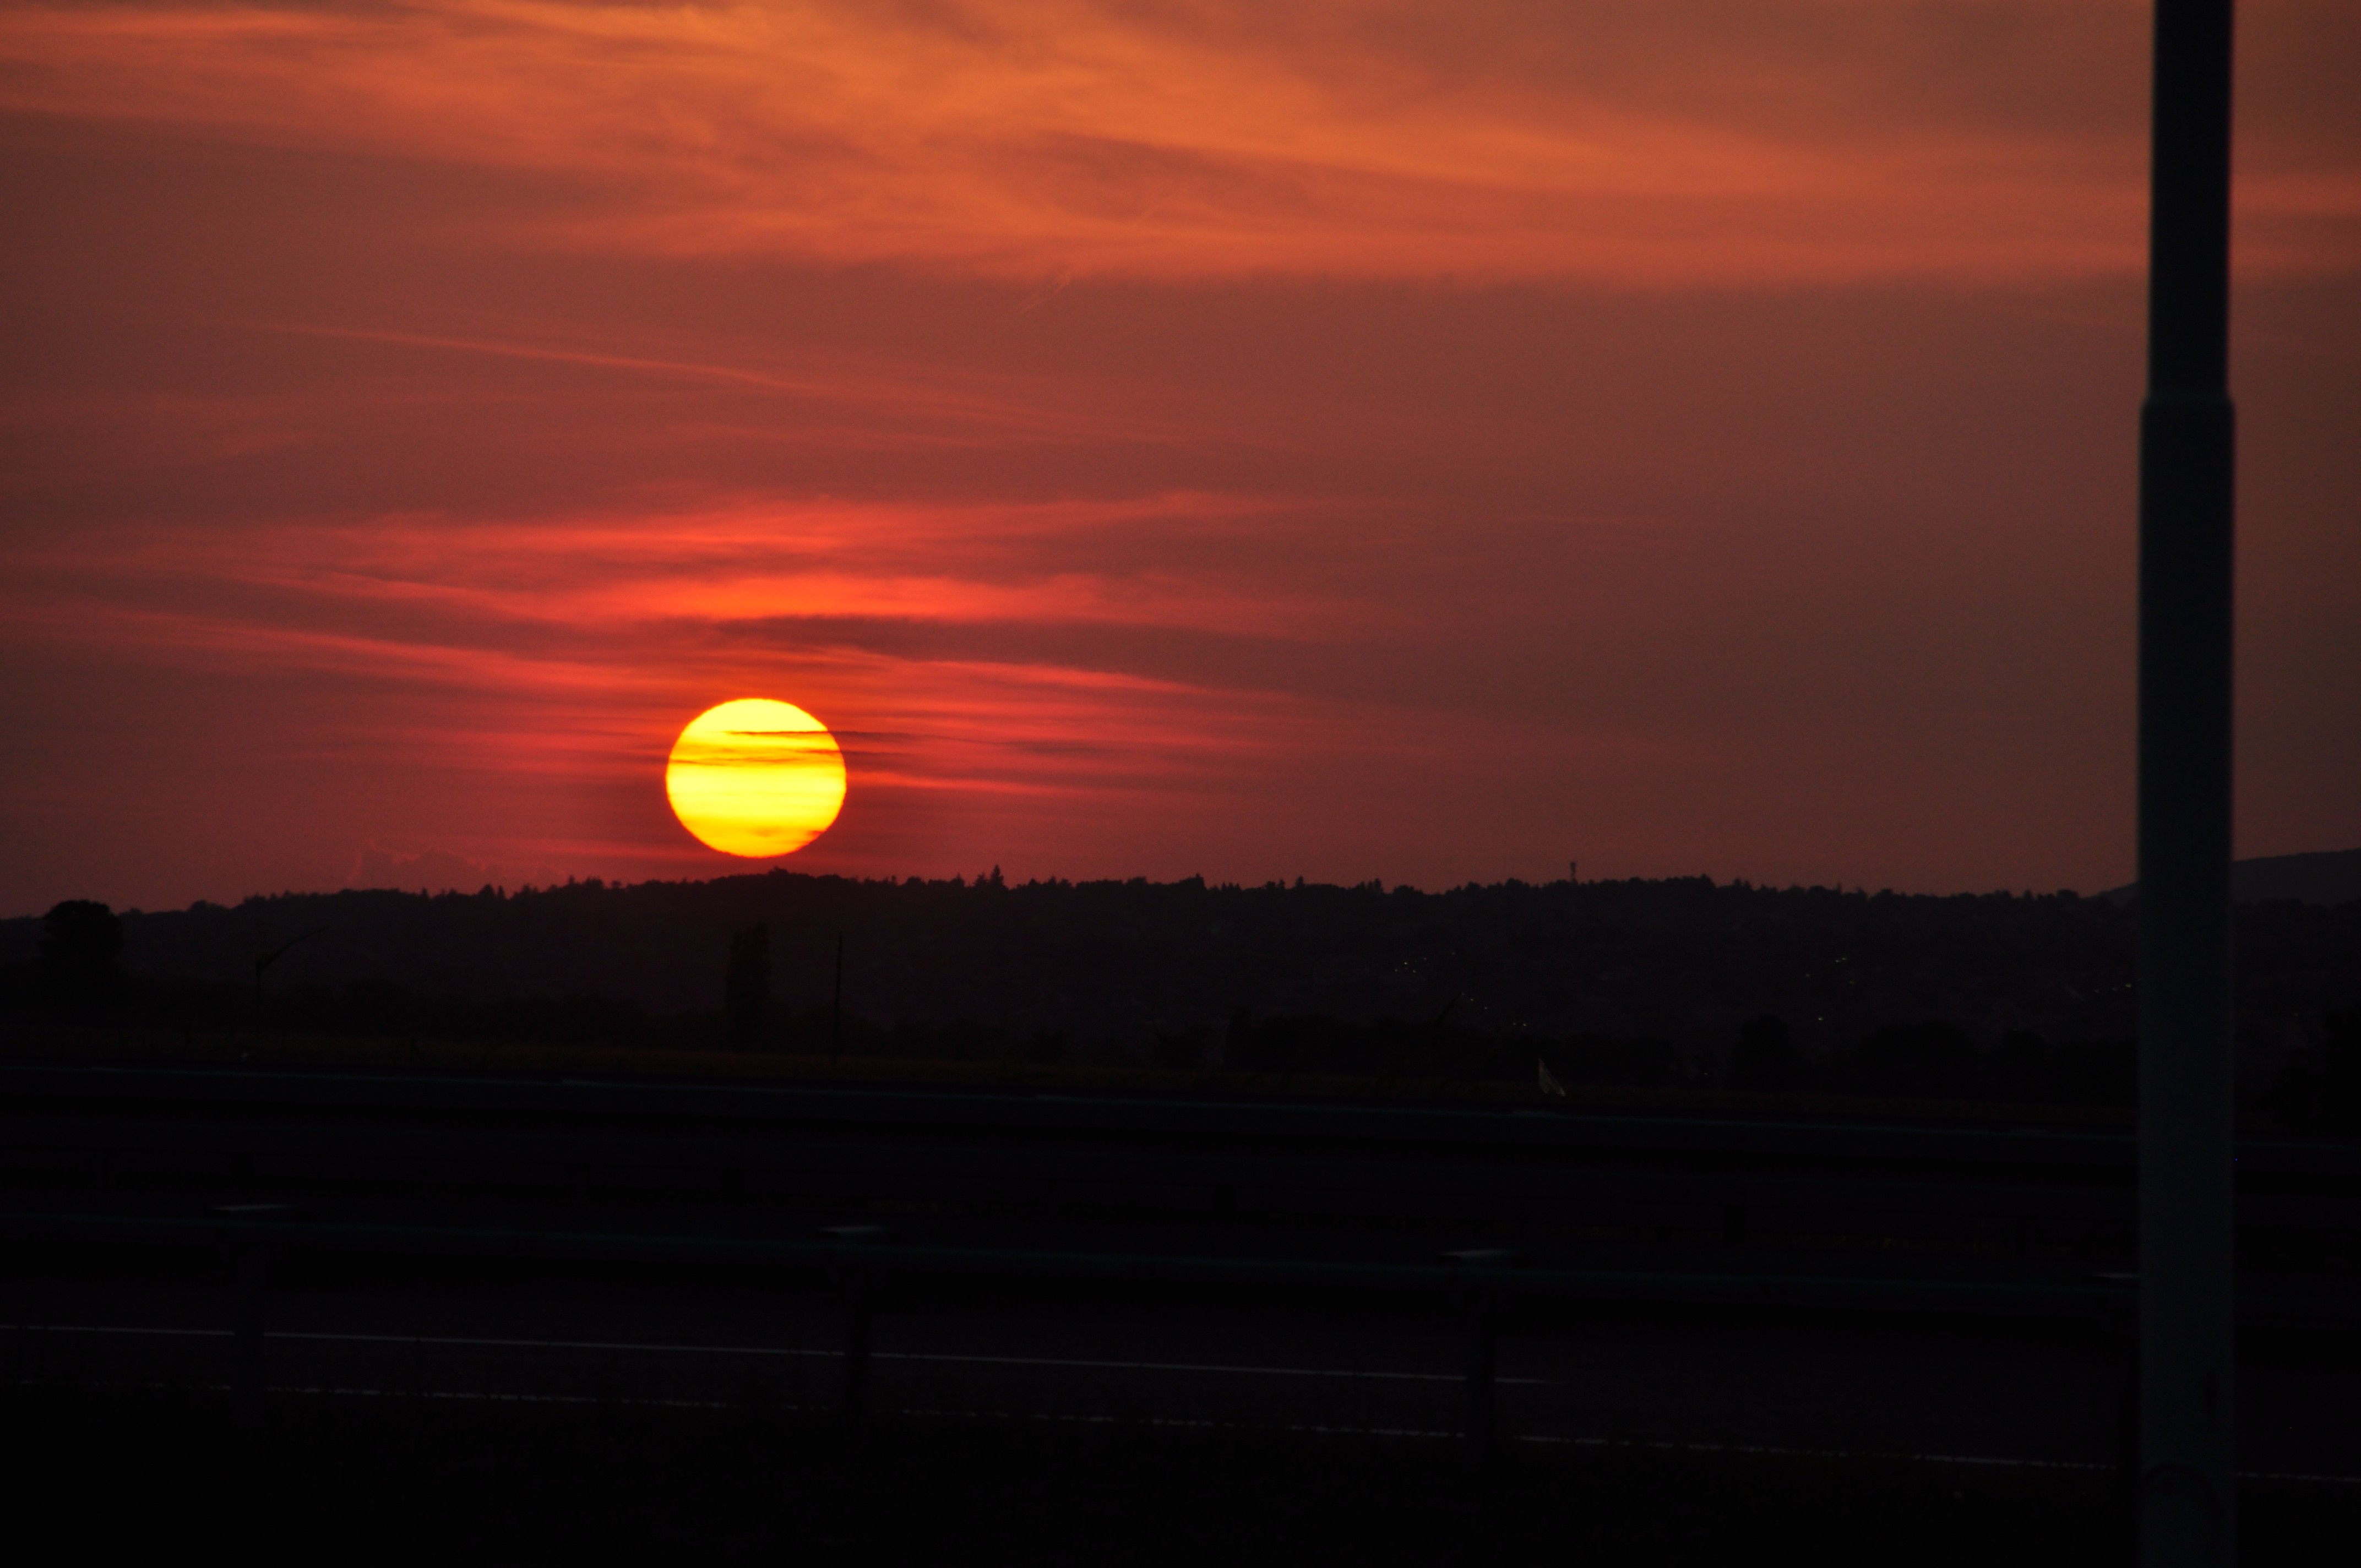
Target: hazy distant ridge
x,y
2323,876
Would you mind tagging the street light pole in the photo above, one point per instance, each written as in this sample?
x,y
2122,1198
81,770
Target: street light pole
x,y
2187,451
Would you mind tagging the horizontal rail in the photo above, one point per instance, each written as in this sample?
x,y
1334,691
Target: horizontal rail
x,y
394,1161
2108,1296
1493,1133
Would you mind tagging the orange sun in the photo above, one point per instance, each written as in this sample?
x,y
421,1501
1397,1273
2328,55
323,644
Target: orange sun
x,y
755,777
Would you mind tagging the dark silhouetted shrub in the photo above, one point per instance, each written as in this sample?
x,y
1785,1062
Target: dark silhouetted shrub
x,y
1767,1056
2320,1090
1930,1058
1603,1061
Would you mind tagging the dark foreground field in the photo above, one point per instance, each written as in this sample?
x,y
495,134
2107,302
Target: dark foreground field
x,y
105,1475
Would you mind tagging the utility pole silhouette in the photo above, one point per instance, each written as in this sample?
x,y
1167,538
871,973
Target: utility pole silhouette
x,y
836,1008
2187,1318
264,960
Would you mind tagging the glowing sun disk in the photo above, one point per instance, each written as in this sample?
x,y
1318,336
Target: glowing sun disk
x,y
755,777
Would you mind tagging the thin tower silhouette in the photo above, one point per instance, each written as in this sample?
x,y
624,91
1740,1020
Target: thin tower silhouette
x,y
2187,515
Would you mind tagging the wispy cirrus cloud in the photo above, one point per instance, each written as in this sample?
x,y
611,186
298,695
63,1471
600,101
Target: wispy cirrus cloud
x,y
1795,140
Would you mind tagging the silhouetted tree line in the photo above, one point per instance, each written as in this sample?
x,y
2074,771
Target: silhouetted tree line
x,y
1650,984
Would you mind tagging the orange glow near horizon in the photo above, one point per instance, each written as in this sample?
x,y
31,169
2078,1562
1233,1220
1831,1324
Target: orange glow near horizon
x,y
755,777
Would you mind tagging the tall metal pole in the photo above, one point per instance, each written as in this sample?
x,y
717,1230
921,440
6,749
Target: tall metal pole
x,y
2187,441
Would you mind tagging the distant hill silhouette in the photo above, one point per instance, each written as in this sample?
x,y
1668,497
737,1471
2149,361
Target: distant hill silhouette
x,y
2326,876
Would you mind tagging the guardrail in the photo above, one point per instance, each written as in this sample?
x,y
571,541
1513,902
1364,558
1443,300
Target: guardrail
x,y
432,1147
1535,1180
1477,1286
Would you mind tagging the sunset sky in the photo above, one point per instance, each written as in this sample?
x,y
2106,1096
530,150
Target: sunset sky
x,y
1416,441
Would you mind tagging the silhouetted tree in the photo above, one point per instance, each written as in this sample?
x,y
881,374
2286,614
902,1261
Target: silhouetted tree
x,y
746,993
81,939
